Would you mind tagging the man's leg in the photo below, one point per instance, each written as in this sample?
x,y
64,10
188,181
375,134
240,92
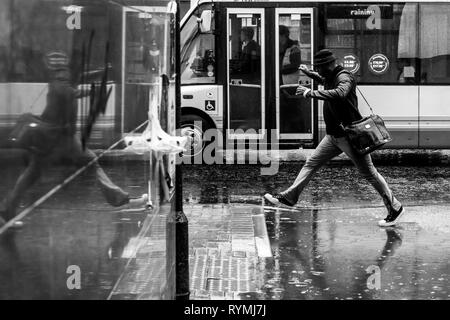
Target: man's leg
x,y
325,151
25,181
368,170
113,194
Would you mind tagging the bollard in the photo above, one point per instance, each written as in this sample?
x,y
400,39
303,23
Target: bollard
x,y
182,257
181,221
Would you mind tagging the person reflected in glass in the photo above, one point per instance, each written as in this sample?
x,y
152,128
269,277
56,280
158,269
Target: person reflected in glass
x,y
60,143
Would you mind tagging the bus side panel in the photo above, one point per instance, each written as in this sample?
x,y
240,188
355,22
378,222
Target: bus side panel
x,y
20,97
25,97
206,98
434,117
17,98
399,108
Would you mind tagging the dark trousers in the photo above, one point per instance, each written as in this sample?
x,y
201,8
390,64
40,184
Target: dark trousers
x,y
70,149
329,148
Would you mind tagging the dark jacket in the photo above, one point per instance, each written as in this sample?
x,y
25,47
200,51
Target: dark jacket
x,y
341,102
62,107
250,57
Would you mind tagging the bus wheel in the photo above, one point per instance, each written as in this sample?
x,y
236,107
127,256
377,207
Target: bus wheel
x,y
194,126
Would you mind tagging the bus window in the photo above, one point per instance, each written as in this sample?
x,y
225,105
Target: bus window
x,y
435,43
294,48
431,44
246,55
245,83
368,41
197,53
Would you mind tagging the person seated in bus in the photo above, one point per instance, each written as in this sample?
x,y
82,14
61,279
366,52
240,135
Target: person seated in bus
x,y
290,60
250,52
249,57
63,144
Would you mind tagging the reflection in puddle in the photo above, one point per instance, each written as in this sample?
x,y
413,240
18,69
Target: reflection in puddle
x,y
319,258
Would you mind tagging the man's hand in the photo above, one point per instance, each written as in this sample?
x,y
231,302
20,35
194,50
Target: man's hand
x,y
304,68
301,90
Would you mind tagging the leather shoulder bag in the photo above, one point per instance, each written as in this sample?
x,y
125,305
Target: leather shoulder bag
x,y
367,134
34,134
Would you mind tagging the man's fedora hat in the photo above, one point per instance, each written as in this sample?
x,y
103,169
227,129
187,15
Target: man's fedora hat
x,y
323,56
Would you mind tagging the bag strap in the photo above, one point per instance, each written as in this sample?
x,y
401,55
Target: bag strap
x,y
335,114
371,110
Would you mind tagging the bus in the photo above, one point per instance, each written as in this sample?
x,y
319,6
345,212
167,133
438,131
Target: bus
x,y
399,52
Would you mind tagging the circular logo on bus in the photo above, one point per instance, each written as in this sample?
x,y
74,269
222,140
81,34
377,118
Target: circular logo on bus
x,y
351,63
378,63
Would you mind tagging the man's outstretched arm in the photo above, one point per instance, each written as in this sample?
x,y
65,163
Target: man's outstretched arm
x,y
313,75
342,89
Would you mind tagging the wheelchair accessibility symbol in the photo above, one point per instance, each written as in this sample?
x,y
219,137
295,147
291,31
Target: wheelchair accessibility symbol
x,y
210,105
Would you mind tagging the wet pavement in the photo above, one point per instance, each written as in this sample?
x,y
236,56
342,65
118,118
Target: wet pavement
x,y
337,185
316,254
321,250
332,254
74,227
329,247
223,257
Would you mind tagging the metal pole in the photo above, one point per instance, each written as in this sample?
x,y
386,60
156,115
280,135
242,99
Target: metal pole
x,y
181,221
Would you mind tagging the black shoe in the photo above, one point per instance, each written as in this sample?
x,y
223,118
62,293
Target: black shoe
x,y
392,218
278,200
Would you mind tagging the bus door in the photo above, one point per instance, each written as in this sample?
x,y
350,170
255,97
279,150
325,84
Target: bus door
x,y
245,66
294,45
142,49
